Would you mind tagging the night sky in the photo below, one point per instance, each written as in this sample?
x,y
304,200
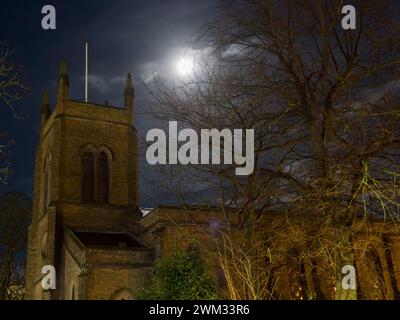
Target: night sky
x,y
141,37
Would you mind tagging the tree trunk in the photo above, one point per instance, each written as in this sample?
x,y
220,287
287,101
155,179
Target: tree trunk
x,y
6,273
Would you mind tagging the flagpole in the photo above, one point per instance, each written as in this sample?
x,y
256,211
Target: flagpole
x,y
86,72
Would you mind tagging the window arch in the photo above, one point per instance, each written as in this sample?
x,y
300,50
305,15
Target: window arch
x,y
388,255
44,247
103,178
46,185
122,294
73,292
46,191
88,177
376,267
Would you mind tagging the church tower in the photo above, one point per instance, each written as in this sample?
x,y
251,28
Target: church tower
x,y
85,209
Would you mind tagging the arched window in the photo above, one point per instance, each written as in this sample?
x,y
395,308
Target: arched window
x,y
73,292
46,191
389,260
44,247
377,270
46,187
102,178
88,177
122,294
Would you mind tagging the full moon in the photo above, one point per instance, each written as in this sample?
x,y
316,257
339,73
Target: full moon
x,y
185,66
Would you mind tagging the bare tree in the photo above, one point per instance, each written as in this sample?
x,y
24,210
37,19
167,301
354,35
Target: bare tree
x,y
324,104
15,211
12,82
12,88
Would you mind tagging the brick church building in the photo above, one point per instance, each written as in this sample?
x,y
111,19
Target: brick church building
x,y
86,220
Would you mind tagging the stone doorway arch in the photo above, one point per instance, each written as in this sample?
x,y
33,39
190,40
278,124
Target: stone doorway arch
x,y
122,294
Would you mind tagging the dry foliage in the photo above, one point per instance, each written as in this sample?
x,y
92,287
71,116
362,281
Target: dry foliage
x,y
324,104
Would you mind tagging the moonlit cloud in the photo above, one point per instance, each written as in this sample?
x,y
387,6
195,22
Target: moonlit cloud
x,y
184,65
178,63
149,71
